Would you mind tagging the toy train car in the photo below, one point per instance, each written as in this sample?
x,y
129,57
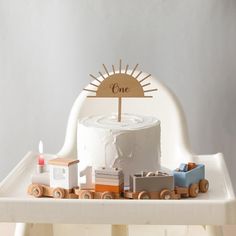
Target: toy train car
x,y
61,182
109,184
190,180
151,185
187,181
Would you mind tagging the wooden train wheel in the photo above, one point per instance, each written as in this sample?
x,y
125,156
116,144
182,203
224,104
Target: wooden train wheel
x,y
193,190
203,185
58,193
86,195
165,194
36,190
107,195
143,195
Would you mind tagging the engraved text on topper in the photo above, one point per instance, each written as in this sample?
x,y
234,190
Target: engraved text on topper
x,y
116,89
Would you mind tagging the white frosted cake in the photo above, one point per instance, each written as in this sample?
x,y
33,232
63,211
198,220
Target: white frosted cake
x,y
132,144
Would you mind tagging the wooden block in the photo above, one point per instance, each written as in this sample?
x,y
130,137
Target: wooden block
x,y
59,161
175,195
130,195
106,181
185,195
117,195
181,190
109,176
191,165
71,196
47,191
97,195
108,171
154,195
77,191
110,188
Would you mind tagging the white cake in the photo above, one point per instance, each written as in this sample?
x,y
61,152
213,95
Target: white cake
x,y
132,144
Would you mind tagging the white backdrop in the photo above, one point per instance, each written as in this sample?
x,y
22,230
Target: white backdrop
x,y
48,48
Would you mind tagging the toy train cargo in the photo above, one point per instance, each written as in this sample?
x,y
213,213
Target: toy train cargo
x,y
62,182
109,184
190,179
187,181
151,186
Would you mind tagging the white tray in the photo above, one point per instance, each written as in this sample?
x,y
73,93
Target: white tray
x,y
217,207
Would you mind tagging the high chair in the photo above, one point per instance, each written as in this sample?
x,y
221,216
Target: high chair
x,y
48,216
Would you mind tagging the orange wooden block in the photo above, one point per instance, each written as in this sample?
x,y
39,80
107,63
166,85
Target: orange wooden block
x,y
191,165
110,188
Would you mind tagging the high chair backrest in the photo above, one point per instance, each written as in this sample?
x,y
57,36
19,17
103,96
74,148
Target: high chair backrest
x,y
164,105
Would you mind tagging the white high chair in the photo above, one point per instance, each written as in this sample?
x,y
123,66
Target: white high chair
x,y
211,210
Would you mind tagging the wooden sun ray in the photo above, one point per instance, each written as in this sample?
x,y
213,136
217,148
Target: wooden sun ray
x,y
120,65
126,68
146,84
144,78
113,68
90,90
138,74
94,85
94,77
150,90
105,69
100,73
134,69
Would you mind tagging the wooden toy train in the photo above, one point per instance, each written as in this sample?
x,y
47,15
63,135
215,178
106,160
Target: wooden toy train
x,y
61,182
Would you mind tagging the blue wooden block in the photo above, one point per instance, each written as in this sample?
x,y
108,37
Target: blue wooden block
x,y
185,179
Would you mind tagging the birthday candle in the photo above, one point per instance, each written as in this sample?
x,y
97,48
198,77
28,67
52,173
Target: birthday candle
x,y
41,161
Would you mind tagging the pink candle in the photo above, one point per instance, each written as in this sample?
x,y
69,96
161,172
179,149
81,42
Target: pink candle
x,y
41,161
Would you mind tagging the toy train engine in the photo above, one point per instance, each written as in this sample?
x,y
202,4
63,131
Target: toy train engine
x,y
60,182
190,179
151,185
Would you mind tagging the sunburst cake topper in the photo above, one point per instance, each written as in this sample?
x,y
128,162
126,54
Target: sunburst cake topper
x,y
119,84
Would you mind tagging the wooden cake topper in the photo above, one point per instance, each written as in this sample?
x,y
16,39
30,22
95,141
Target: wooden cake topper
x,y
119,84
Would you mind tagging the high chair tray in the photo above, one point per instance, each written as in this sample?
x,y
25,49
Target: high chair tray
x,y
216,207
